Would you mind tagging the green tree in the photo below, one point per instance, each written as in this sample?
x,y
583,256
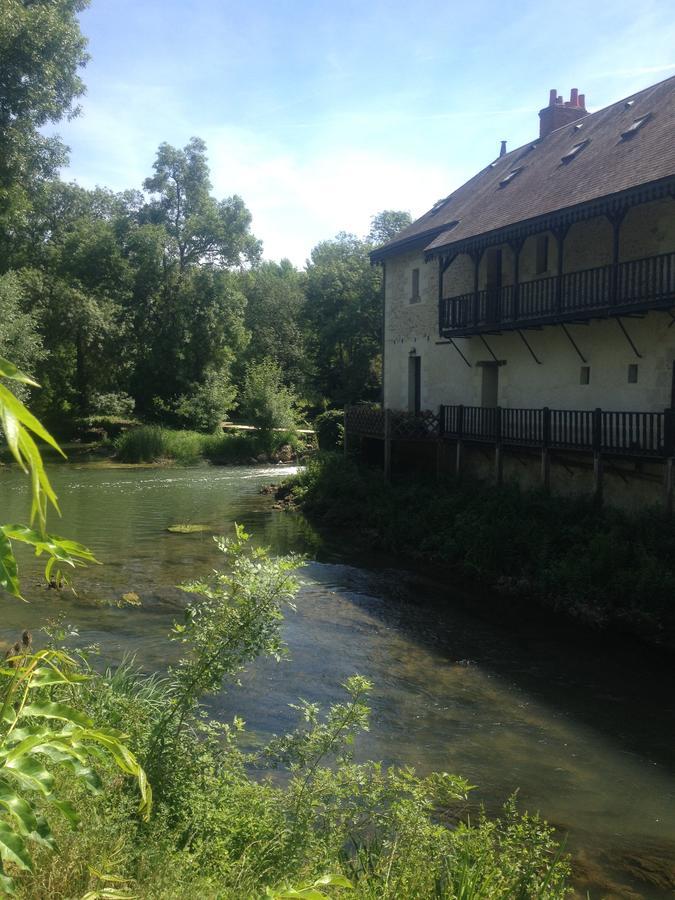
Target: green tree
x,y
275,295
200,228
387,224
19,335
344,317
41,50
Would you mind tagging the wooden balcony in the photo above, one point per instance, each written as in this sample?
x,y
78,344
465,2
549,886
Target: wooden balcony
x,y
630,287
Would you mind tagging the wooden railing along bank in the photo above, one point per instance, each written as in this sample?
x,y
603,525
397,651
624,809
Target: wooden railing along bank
x,y
612,432
602,433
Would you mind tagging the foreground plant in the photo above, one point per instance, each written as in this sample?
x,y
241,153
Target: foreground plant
x,y
19,425
45,739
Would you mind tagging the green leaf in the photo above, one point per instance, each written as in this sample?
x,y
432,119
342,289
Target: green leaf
x,y
68,811
45,676
9,578
13,848
86,774
43,834
19,808
18,411
49,710
31,773
7,884
9,370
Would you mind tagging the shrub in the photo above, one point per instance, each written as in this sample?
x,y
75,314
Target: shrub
x,y
206,406
265,400
151,443
330,429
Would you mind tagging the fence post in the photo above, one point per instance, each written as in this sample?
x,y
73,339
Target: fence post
x,y
498,446
440,446
546,442
669,453
597,455
387,445
460,432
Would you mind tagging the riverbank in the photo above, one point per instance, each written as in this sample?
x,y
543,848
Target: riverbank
x,y
154,444
605,568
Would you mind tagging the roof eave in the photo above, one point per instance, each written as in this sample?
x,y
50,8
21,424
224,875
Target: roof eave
x,y
662,186
420,239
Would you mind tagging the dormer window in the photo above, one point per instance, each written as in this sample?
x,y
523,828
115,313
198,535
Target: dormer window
x,y
509,178
574,152
438,204
636,126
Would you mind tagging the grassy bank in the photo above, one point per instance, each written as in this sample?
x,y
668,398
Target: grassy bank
x,y
153,443
603,566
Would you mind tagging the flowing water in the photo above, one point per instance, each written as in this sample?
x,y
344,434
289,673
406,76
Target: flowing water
x,y
585,733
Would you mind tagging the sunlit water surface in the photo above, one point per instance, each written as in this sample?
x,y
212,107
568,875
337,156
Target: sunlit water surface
x,y
585,734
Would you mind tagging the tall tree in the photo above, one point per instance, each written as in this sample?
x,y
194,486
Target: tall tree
x,y
41,50
387,224
201,229
344,314
275,308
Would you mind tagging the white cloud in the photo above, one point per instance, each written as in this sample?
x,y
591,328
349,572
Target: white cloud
x,y
297,202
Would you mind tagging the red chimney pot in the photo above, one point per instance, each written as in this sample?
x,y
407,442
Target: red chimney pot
x,y
560,112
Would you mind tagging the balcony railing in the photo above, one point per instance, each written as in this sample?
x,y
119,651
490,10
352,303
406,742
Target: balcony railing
x,y
602,291
616,433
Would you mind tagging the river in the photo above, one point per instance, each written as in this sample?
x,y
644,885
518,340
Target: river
x,y
583,730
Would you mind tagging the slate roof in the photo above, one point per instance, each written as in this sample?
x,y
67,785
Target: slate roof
x,y
607,164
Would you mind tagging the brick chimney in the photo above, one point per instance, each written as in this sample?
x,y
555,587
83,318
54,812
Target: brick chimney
x,y
559,113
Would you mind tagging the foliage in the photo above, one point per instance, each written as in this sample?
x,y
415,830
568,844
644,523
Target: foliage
x,y
41,49
200,228
114,404
36,728
275,310
344,315
19,334
18,425
265,400
205,406
225,826
152,443
602,565
38,725
330,429
386,225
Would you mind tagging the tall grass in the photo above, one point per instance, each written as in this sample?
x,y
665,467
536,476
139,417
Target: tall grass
x,y
153,443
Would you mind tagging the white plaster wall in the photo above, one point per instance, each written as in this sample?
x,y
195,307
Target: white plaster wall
x,y
555,382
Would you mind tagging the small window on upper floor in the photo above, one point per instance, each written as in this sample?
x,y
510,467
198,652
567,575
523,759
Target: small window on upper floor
x,y
542,254
509,178
633,373
415,295
636,126
574,152
585,375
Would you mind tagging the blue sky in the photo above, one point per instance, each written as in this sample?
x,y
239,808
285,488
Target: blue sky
x,y
322,114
